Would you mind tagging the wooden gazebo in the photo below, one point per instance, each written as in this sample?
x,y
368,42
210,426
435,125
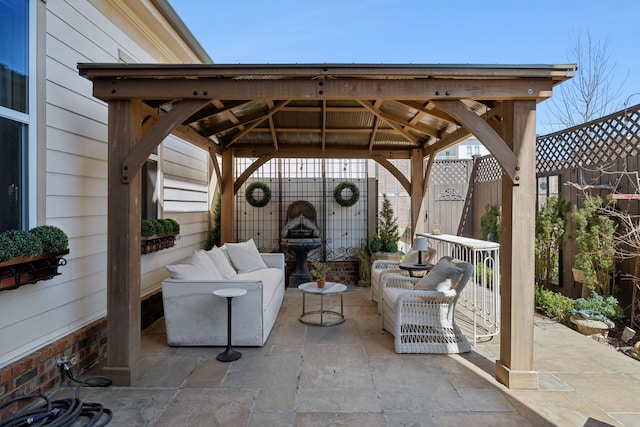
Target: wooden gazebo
x,y
377,112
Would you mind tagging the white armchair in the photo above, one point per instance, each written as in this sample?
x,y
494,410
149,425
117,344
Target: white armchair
x,y
422,320
382,267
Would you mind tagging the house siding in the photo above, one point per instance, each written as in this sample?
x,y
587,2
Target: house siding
x,y
42,315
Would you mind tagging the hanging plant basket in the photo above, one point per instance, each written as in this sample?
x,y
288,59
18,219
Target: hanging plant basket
x,y
252,200
19,271
350,201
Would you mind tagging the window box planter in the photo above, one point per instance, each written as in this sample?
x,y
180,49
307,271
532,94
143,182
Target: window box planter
x,y
157,242
20,271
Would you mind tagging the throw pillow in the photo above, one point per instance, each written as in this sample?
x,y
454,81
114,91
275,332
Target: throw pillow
x,y
245,256
187,272
441,277
200,259
221,262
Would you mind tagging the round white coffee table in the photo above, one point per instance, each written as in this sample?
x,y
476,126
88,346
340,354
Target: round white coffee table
x,y
326,317
229,354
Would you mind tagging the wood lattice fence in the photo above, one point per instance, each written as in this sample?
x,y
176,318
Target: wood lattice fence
x,y
592,155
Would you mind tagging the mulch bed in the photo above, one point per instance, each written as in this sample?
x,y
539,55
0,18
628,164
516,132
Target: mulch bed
x,y
614,340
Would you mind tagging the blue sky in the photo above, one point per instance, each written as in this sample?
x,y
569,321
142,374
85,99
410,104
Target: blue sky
x,y
417,32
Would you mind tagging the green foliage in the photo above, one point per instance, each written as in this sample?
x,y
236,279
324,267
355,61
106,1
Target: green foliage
x,y
596,246
604,306
166,225
319,270
376,244
151,227
250,194
364,264
388,233
346,202
554,305
148,228
175,225
7,248
159,226
490,223
26,243
482,269
53,239
214,234
551,224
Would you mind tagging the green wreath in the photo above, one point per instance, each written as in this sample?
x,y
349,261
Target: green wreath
x,y
355,194
266,194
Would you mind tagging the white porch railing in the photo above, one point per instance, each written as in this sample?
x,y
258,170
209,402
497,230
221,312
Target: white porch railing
x,y
481,296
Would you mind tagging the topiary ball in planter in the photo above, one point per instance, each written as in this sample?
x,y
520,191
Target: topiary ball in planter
x,y
148,228
27,244
166,225
376,244
53,239
390,246
159,226
7,248
175,225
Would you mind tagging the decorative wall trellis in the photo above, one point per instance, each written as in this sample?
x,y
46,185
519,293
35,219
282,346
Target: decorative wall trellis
x,y
343,228
446,193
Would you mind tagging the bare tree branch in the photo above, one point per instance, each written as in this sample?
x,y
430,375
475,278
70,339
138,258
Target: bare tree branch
x,y
591,93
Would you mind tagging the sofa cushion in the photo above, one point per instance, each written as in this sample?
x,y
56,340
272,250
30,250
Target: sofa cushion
x,y
271,278
245,256
221,262
198,267
441,277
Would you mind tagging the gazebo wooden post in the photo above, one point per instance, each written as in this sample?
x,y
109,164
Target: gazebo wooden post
x,y
227,211
123,245
417,176
515,366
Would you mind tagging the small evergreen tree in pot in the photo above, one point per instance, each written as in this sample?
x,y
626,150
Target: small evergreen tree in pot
x,y
388,233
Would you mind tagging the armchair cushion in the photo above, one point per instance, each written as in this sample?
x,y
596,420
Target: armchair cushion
x,y
441,277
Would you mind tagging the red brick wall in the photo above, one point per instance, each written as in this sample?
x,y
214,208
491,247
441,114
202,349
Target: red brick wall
x,y
341,271
39,373
344,272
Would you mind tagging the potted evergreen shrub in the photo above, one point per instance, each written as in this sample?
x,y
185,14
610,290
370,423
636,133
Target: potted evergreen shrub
x,y
384,244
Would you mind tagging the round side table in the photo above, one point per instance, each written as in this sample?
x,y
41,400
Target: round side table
x,y
327,317
229,354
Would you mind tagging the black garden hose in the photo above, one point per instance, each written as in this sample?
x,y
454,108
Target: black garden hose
x,y
62,412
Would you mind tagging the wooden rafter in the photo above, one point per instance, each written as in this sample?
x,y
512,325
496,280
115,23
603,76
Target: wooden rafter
x,y
399,129
271,112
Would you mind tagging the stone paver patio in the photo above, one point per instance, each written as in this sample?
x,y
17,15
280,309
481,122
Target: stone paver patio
x,y
349,375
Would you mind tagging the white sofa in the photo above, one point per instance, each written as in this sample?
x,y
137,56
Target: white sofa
x,y
196,317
